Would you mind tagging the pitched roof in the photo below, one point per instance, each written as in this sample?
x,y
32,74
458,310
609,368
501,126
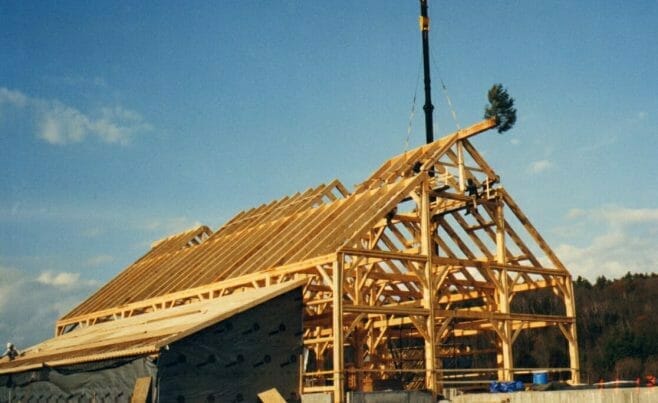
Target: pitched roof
x,y
141,334
303,226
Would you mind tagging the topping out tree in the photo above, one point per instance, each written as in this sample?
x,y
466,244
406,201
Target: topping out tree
x,y
501,108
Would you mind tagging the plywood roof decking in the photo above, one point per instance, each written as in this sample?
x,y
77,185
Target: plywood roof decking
x,y
142,334
283,232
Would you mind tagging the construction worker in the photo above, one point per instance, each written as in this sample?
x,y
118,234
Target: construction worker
x,y
472,190
10,352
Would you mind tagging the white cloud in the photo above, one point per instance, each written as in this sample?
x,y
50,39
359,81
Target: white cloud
x,y
626,242
599,143
58,123
14,98
63,279
161,228
576,213
620,216
93,232
169,226
78,81
99,260
29,306
540,166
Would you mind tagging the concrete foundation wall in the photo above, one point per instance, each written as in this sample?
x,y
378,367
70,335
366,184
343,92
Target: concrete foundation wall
x,y
373,397
316,398
623,395
389,397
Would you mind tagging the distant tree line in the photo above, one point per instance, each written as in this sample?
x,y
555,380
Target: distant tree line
x,y
617,329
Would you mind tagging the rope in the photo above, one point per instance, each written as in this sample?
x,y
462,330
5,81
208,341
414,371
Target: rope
x,y
413,110
445,93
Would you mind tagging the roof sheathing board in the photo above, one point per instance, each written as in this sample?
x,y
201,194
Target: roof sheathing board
x,y
142,334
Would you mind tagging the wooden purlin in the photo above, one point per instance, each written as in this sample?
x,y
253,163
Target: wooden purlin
x,y
147,276
305,234
161,251
188,238
484,258
211,291
286,206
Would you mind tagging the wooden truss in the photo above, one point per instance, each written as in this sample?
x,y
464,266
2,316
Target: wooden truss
x,y
420,263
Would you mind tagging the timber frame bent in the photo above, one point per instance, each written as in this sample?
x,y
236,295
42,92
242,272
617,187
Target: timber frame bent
x,y
423,271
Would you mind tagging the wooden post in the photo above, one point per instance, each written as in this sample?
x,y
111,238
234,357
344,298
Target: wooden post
x,y
505,335
574,359
141,390
460,162
358,337
337,327
428,291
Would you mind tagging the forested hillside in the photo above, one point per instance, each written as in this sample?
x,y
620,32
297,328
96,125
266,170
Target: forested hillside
x,y
617,329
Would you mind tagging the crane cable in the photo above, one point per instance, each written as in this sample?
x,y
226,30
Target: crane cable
x,y
445,93
412,113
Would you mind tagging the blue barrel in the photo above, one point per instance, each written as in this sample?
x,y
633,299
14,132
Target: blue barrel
x,y
539,378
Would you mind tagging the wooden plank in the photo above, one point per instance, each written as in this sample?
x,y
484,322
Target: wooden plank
x,y
383,255
142,390
271,396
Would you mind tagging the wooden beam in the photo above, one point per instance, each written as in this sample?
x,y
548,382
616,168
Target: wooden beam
x,y
337,330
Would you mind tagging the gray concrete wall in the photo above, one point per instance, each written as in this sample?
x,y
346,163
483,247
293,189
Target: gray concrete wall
x,y
623,395
317,398
372,397
389,397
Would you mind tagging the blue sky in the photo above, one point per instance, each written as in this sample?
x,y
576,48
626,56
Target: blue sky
x,y
121,123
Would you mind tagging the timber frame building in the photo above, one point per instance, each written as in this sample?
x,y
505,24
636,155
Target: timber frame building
x,y
421,262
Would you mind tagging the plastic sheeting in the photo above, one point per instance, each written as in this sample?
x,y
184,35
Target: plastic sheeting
x,y
231,361
105,381
505,387
236,359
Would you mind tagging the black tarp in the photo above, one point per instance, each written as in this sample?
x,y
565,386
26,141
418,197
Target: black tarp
x,y
236,359
103,381
231,361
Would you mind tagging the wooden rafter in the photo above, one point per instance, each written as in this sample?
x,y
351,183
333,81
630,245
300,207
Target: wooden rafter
x,y
405,262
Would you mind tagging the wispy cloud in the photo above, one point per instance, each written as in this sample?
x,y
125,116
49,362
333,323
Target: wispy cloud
x,y
13,98
540,166
626,242
156,229
99,260
29,306
170,225
62,279
93,232
78,81
598,143
58,123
